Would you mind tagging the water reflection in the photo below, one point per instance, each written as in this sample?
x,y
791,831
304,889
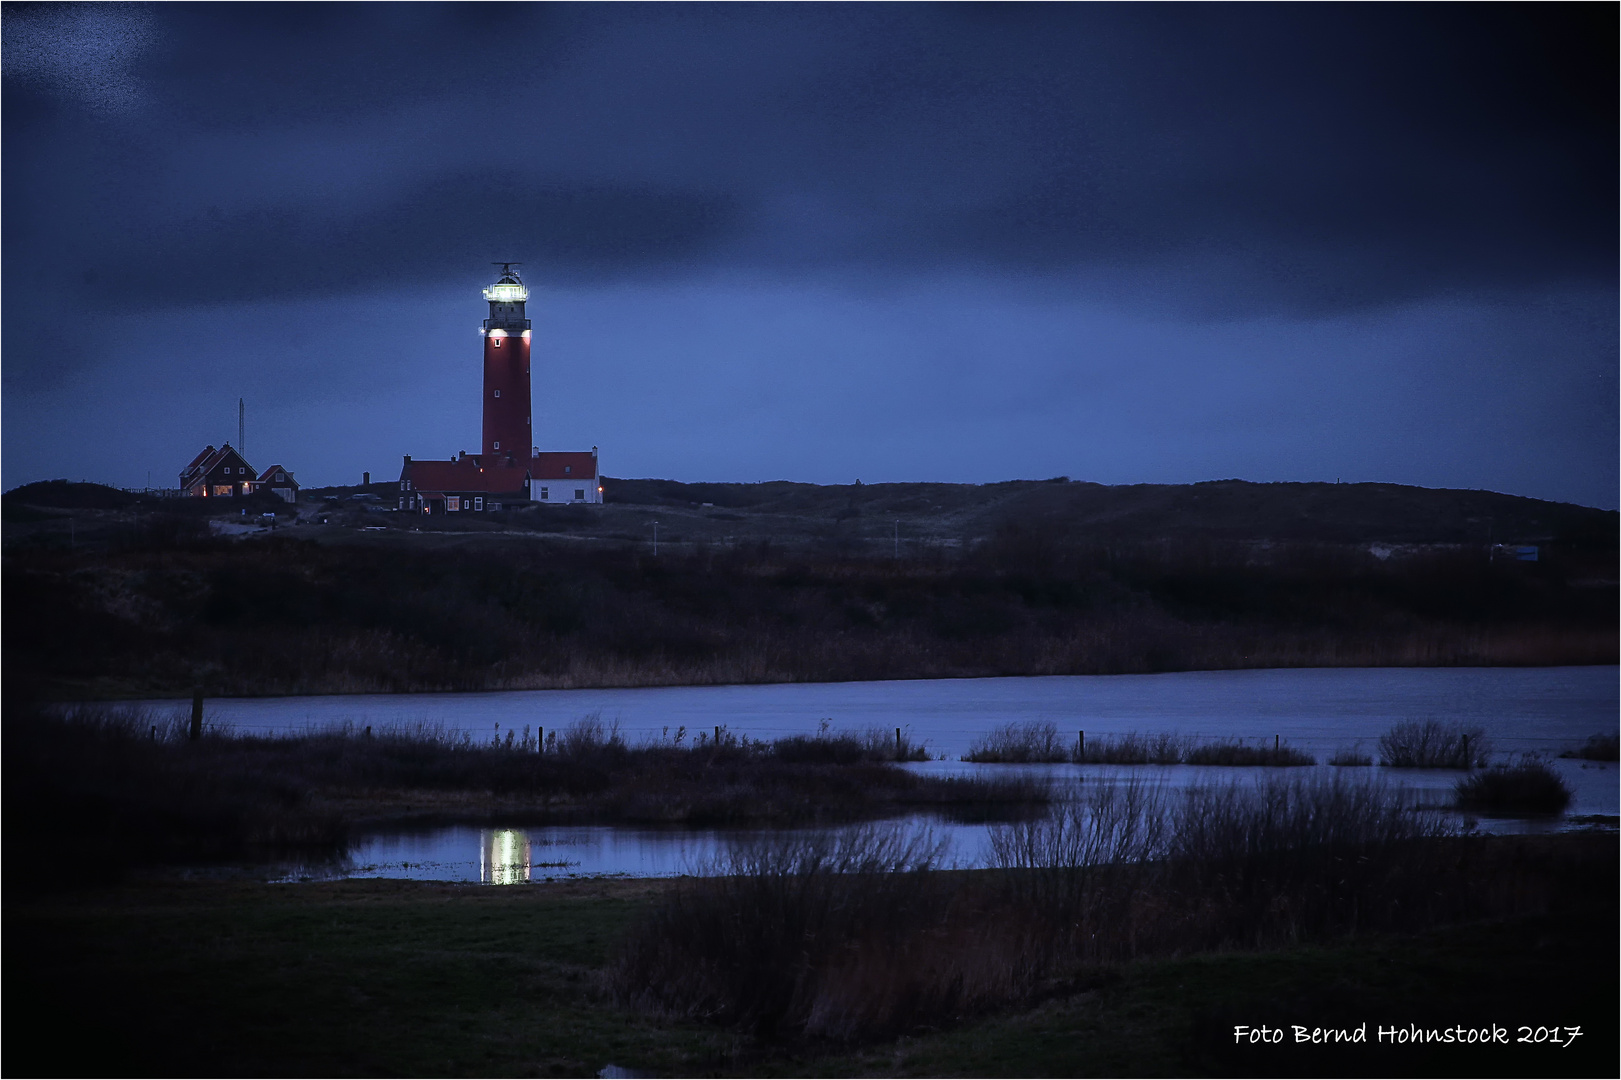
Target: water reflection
x,y
503,857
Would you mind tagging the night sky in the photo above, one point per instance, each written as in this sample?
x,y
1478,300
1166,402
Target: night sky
x,y
1139,243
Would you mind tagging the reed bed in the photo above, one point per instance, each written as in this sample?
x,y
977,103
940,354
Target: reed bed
x,y
859,935
1038,742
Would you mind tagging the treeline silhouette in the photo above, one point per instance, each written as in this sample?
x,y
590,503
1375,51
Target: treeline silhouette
x,y
166,610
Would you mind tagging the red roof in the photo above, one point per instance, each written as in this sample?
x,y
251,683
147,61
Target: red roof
x,y
198,460
265,477
463,474
564,465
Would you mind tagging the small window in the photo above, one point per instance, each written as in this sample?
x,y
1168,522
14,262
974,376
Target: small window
x,y
568,469
478,503
498,393
497,342
453,502
281,478
545,493
498,446
579,493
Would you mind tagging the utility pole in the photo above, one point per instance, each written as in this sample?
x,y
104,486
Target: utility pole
x,y
655,539
897,538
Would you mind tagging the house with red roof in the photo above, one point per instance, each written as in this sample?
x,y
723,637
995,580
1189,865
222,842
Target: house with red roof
x,y
465,483
219,473
565,476
278,480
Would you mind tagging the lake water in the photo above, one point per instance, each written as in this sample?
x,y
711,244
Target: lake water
x,y
515,855
1316,709
1319,710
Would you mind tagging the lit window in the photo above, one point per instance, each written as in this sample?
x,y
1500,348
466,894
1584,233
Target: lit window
x,y
453,502
496,340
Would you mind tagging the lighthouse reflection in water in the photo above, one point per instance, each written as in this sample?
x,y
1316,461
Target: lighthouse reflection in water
x,y
504,857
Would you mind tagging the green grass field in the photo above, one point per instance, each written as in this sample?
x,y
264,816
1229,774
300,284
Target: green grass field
x,y
398,978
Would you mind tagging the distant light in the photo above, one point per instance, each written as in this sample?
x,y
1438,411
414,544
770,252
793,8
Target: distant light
x,y
506,294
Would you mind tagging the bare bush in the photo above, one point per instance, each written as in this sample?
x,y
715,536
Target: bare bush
x,y
1431,744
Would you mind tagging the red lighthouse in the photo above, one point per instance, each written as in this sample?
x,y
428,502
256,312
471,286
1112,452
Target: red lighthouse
x,y
506,372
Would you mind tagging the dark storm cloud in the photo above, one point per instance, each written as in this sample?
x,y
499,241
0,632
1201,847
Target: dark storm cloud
x,y
1228,160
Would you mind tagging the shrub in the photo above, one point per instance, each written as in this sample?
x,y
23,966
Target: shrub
x,y
1527,787
827,933
1029,741
1597,748
1433,745
1351,757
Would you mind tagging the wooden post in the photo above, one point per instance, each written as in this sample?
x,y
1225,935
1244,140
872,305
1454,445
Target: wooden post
x,y
1080,746
717,735
197,714
1466,762
1275,743
897,744
154,733
540,740
368,731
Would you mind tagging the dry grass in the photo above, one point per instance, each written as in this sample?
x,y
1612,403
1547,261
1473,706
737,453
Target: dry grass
x,y
857,935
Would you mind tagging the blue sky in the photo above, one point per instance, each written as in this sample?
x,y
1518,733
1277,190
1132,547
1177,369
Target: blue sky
x,y
1123,244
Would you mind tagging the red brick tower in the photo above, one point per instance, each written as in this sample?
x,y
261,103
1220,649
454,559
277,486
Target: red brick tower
x,y
506,372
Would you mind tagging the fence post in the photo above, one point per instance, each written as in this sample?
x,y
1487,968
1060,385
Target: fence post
x,y
1275,743
540,740
717,736
197,714
1467,764
154,733
1080,746
897,744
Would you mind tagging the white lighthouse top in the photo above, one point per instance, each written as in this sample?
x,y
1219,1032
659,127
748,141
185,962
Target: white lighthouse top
x,y
509,290
506,292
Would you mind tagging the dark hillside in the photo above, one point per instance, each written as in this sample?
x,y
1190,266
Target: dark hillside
x,y
1218,509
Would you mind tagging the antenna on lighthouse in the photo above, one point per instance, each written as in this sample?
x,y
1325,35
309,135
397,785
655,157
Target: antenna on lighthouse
x,y
242,427
507,269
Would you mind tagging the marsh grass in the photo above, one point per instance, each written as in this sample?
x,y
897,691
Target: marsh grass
x,y
1431,744
1232,752
134,777
1132,749
1040,742
1351,757
1528,786
1023,742
803,940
